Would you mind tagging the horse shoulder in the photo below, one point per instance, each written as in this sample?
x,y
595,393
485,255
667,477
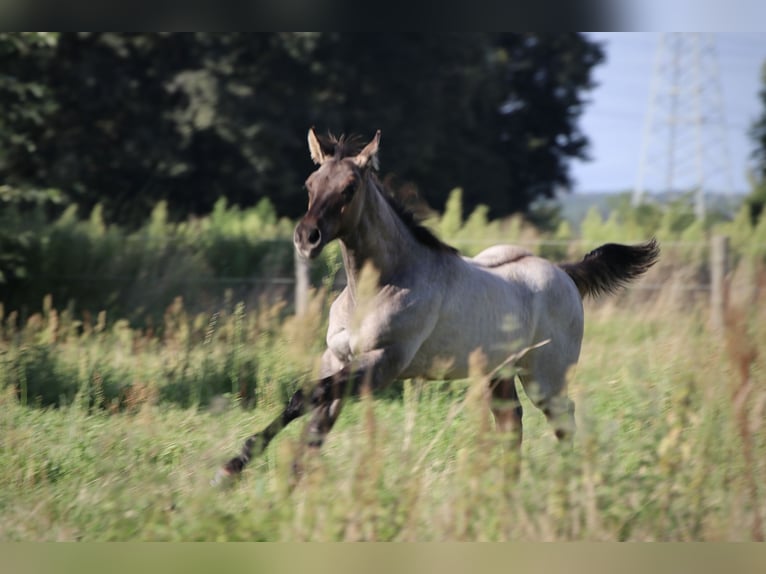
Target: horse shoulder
x,y
384,334
398,313
338,335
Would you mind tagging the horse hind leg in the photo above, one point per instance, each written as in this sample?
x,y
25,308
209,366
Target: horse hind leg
x,y
549,394
506,408
507,412
559,411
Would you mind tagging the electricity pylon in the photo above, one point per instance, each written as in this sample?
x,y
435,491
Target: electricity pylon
x,y
685,146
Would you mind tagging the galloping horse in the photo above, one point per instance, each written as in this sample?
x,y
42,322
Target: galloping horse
x,y
431,308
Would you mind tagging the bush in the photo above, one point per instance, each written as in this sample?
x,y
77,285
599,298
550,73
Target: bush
x,y
137,273
188,359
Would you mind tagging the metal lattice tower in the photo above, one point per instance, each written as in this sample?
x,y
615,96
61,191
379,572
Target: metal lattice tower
x,y
685,146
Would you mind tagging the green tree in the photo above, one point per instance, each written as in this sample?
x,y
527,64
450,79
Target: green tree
x,y
493,113
26,106
114,137
25,97
756,200
188,118
547,76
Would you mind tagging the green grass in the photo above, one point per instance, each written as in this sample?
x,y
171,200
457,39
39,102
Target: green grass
x,y
659,453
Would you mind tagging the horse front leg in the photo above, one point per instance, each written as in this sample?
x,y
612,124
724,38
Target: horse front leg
x,y
255,444
296,407
325,398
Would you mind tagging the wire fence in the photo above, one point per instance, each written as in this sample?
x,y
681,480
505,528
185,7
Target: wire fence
x,y
569,245
712,256
585,244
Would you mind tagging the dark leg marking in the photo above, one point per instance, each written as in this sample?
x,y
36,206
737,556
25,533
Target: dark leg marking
x,y
322,420
326,393
257,443
506,408
508,413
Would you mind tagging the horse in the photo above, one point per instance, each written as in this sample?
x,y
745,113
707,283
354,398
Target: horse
x,y
429,308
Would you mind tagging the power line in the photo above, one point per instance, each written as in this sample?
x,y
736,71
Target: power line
x,y
685,141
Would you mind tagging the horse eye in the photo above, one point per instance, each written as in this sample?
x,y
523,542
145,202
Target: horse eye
x,y
348,192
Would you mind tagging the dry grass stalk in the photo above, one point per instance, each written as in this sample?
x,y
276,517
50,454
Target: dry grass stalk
x,y
743,354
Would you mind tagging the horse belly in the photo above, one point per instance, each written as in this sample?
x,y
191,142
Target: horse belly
x,y
451,349
498,312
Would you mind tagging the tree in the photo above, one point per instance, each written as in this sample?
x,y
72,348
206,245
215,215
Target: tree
x,y
187,118
113,138
26,102
546,77
26,106
493,113
756,200
435,98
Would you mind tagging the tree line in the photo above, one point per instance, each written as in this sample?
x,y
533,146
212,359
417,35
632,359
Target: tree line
x,y
127,120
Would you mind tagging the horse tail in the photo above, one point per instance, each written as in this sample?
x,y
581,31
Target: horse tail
x,y
611,266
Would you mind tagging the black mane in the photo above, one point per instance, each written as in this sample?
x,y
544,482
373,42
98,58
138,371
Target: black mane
x,y
422,233
347,146
341,146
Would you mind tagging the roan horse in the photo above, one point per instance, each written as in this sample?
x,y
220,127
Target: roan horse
x,y
431,308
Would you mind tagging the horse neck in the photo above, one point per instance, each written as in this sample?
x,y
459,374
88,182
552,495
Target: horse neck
x,y
380,238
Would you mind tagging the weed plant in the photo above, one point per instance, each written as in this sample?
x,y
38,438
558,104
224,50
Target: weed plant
x,y
113,423
113,433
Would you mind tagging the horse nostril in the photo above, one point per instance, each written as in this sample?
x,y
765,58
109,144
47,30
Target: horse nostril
x,y
314,236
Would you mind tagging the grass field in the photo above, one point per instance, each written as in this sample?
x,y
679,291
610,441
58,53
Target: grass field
x,y
671,443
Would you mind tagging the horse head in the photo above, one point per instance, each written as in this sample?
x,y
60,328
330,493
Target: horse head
x,y
336,191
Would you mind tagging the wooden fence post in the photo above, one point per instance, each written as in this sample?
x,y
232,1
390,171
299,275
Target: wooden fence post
x,y
719,267
301,284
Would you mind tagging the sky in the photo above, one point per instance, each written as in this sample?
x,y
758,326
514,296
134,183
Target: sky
x,y
615,118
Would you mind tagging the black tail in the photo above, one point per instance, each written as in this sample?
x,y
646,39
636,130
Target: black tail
x,y
611,266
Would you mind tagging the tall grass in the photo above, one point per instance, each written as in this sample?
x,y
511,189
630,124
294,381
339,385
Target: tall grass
x,y
669,447
93,265
186,360
113,423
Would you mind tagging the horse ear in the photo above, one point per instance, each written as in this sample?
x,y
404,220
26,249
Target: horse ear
x,y
369,154
315,148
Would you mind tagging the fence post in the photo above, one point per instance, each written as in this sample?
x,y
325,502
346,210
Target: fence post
x,y
301,284
719,267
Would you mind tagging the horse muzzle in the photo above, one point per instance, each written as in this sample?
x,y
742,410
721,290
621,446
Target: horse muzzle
x,y
308,239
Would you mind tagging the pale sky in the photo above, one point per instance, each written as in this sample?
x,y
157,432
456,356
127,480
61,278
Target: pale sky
x,y
614,121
